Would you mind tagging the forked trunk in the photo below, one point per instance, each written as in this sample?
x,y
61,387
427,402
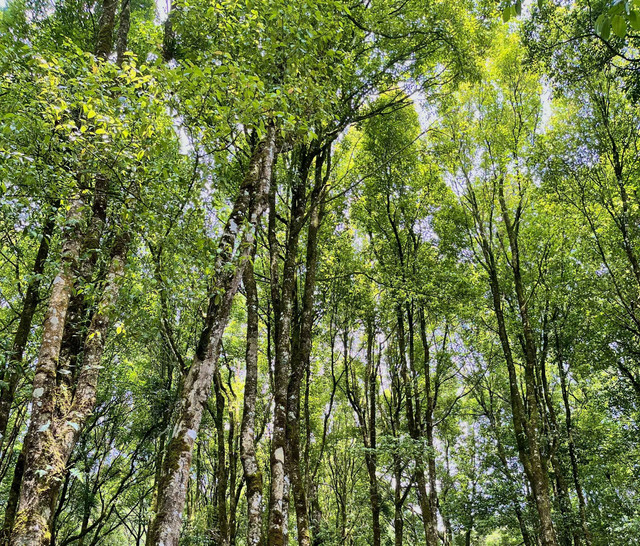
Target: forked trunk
x,y
58,414
234,250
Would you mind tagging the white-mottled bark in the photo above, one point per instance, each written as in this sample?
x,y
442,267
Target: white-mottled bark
x,y
234,250
252,474
31,525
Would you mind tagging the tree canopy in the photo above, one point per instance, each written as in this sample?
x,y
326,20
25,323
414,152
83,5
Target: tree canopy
x,y
323,272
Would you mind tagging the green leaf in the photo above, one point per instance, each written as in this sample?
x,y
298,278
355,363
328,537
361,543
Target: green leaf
x,y
634,20
619,25
605,30
77,474
506,14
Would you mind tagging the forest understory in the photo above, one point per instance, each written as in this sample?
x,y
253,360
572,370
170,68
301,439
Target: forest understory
x,y
319,272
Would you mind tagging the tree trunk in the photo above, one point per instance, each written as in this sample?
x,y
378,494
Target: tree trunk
x,y
428,511
429,426
234,491
538,465
234,250
526,426
489,412
32,519
79,315
398,502
567,531
252,474
221,468
572,447
123,31
104,42
371,457
283,300
11,374
13,499
301,359
58,415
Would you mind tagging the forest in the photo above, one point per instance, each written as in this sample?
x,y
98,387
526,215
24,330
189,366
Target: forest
x,y
319,272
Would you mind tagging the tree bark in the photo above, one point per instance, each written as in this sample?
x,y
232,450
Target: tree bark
x,y
429,426
13,499
11,374
302,355
234,489
106,25
123,31
572,447
32,519
371,457
58,414
252,474
234,250
538,465
222,475
79,314
398,502
282,295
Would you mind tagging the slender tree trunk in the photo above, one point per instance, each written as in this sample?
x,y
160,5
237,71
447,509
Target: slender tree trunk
x,y
538,464
13,499
301,360
430,393
252,474
572,448
283,301
31,523
371,457
286,501
568,530
489,412
428,511
11,374
86,514
234,491
398,502
526,425
79,314
293,453
316,515
234,251
221,470
278,508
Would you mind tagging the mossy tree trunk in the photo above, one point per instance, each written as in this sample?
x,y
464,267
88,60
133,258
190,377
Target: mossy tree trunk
x,y
234,250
